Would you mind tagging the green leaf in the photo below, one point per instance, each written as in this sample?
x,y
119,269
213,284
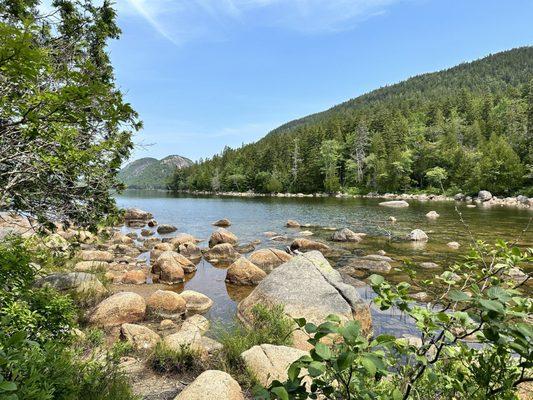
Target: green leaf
x,y
316,368
293,372
457,295
7,386
376,280
323,351
396,394
310,327
300,322
333,318
492,305
498,293
351,331
345,360
281,392
369,365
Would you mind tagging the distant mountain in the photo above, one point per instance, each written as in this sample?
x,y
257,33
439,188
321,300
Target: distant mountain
x,y
150,173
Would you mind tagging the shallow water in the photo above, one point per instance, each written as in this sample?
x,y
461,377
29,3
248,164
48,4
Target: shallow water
x,y
251,217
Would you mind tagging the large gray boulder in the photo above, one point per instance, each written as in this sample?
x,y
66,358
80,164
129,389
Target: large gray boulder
x,y
307,286
81,283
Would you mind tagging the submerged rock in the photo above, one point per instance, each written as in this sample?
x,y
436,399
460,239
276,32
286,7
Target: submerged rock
x,y
432,215
212,385
453,245
307,286
222,235
417,235
146,232
165,228
394,203
380,266
346,235
244,272
428,265
224,223
222,252
378,257
308,245
268,259
292,224
245,248
190,251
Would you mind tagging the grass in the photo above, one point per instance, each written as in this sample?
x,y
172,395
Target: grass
x,y
166,360
270,325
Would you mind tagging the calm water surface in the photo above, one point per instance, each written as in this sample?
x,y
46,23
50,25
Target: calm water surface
x,y
251,217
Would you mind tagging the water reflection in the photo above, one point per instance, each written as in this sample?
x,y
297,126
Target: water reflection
x,y
251,217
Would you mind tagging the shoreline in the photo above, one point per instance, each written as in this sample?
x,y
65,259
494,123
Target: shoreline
x,y
519,201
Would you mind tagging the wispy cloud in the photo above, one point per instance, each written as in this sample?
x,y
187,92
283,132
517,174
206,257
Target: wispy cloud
x,y
148,13
180,21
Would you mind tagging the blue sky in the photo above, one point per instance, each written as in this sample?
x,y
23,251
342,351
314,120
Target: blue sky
x,y
208,73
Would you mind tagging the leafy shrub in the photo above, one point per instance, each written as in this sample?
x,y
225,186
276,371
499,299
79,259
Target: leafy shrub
x,y
167,360
37,361
43,314
475,298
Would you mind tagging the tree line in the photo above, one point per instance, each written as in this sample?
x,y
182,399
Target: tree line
x,y
463,129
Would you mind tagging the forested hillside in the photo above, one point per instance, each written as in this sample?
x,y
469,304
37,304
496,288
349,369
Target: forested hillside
x,y
150,173
466,128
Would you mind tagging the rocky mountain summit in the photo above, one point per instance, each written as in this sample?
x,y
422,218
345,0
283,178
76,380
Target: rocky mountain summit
x,y
150,173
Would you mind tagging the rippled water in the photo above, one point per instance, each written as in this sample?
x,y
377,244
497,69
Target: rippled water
x,y
252,216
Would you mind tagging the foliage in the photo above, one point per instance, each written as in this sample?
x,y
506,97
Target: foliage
x,y
436,176
43,314
166,360
64,126
473,121
37,357
475,298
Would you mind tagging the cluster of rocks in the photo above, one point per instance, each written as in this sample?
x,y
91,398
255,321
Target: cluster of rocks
x,y
520,201
484,197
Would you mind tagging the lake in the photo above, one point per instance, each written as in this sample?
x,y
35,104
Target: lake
x,y
251,217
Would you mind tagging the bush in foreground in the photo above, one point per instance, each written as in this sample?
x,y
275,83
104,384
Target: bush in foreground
x,y
39,359
476,298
